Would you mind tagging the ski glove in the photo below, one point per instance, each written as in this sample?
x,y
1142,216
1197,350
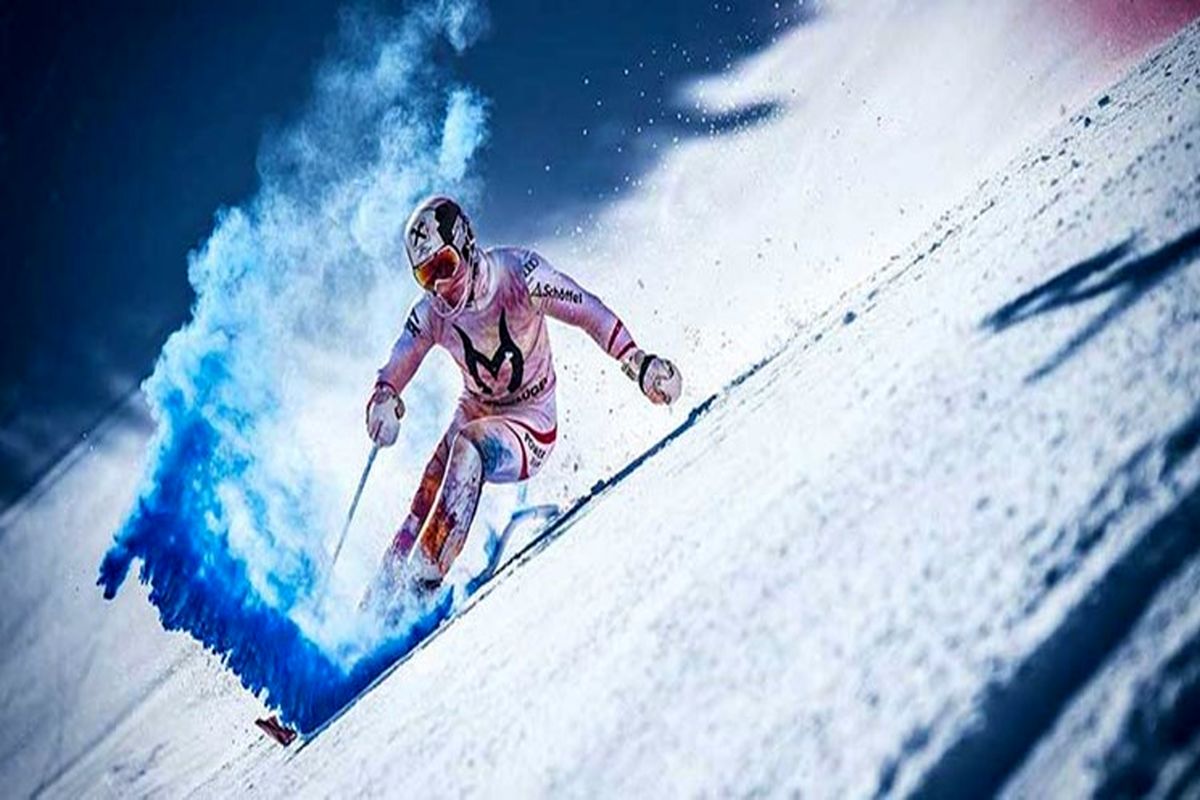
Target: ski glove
x,y
384,411
658,378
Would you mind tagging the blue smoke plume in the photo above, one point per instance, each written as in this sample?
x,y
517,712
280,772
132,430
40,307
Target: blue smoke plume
x,y
295,293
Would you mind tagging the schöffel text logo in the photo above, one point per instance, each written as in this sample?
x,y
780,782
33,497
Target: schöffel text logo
x,y
548,292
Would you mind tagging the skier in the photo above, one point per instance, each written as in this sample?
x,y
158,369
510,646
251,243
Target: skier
x,y
488,308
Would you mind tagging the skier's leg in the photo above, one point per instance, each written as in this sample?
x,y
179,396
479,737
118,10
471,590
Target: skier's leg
x,y
445,530
535,429
389,576
489,450
422,501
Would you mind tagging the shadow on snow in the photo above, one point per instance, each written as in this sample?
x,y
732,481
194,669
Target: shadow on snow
x,y
1109,272
1016,714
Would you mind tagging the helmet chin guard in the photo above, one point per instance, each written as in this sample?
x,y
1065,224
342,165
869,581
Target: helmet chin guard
x,y
444,309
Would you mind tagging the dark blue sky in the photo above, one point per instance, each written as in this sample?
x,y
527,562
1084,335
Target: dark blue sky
x,y
125,125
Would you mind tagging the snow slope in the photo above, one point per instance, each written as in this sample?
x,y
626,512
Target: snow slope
x,y
934,502
965,484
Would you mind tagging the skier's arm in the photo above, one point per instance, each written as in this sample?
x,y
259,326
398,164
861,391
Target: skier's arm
x,y
560,297
385,408
408,352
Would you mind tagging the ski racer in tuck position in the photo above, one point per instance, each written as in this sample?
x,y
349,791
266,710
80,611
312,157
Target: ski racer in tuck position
x,y
488,309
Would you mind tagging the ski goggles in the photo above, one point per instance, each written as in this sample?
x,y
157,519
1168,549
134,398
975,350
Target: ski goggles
x,y
440,266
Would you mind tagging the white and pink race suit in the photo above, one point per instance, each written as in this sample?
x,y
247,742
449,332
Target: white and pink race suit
x,y
507,410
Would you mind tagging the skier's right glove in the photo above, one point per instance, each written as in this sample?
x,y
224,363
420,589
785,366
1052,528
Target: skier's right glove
x,y
658,378
384,412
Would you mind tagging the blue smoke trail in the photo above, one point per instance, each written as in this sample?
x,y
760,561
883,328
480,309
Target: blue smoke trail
x,y
232,521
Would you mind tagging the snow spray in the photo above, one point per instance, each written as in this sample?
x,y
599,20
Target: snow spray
x,y
258,397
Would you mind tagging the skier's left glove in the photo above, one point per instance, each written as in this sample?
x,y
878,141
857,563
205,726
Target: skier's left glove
x,y
384,412
658,378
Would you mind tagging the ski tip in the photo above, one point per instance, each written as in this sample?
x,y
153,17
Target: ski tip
x,y
272,727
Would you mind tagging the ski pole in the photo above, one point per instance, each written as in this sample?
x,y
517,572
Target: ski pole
x,y
349,518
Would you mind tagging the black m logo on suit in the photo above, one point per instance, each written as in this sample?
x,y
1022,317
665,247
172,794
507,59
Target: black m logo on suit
x,y
507,348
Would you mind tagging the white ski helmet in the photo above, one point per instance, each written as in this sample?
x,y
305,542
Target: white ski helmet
x,y
439,241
